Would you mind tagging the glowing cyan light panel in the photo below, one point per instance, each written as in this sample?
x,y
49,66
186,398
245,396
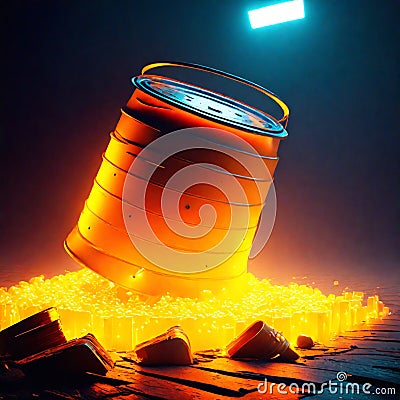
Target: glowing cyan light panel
x,y
276,13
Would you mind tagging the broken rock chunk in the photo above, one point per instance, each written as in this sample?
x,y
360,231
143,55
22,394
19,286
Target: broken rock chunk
x,y
304,342
261,342
170,348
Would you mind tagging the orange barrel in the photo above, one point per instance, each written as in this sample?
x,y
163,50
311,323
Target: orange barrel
x,y
122,155
123,150
135,131
108,205
177,199
112,176
146,281
188,207
105,236
210,238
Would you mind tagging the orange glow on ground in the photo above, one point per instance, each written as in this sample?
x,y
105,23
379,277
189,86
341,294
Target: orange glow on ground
x,y
120,319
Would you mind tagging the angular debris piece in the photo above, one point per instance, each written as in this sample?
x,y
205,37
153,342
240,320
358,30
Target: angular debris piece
x,y
262,342
74,357
32,335
170,348
37,346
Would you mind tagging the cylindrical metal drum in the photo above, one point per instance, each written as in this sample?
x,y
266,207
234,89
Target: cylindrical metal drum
x,y
177,199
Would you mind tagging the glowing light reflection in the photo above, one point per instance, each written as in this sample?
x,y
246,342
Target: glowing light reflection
x,y
276,13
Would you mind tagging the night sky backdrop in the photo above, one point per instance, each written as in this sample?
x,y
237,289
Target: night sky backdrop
x,y
66,72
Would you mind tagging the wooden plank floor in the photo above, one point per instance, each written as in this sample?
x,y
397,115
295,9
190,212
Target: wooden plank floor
x,y
367,355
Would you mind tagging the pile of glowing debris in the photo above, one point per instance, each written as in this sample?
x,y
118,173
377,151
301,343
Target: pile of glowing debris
x,y
119,319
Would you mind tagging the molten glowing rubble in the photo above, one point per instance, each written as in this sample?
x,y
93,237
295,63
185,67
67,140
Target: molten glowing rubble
x,y
120,319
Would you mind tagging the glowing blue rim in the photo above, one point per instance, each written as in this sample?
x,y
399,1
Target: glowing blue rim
x,y
144,83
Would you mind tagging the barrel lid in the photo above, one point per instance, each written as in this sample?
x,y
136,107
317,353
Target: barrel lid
x,y
210,105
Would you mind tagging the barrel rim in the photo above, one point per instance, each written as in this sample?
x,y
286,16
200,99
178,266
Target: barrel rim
x,y
139,83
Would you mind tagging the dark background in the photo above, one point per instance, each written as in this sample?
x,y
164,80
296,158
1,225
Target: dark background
x,y
66,69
